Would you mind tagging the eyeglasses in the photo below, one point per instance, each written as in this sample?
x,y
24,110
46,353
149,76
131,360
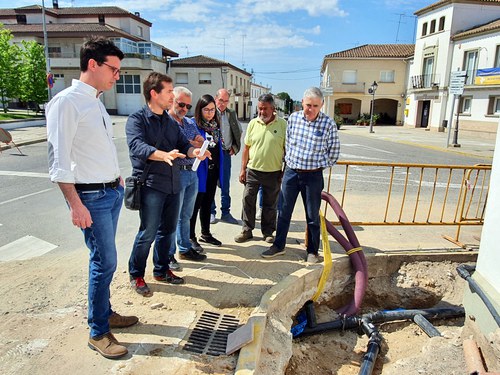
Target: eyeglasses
x,y
113,68
182,105
222,100
208,110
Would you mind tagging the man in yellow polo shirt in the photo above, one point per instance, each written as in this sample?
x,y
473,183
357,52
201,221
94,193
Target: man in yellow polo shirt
x,y
261,165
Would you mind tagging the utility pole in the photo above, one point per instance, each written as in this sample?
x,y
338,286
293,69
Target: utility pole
x,y
46,50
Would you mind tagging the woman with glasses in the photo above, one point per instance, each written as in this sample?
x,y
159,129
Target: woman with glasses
x,y
209,171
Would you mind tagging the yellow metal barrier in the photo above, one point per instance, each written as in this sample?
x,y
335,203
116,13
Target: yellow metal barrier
x,y
411,193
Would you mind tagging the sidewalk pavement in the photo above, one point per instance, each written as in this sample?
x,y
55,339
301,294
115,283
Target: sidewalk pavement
x,y
422,137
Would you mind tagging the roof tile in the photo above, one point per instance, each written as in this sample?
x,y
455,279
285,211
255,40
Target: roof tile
x,y
376,51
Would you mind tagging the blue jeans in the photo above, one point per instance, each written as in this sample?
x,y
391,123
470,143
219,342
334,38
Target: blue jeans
x,y
225,198
158,215
187,197
309,185
104,206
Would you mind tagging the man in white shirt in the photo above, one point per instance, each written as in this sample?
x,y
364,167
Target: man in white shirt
x,y
84,163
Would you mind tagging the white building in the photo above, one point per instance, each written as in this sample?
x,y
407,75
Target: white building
x,y
205,75
455,35
256,90
67,29
348,75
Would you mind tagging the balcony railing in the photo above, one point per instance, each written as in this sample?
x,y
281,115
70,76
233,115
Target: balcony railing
x,y
64,55
425,81
358,87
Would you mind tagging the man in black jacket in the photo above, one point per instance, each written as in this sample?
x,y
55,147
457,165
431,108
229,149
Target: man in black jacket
x,y
154,137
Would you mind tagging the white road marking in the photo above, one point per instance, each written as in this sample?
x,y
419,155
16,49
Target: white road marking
x,y
367,147
25,196
351,157
24,174
25,248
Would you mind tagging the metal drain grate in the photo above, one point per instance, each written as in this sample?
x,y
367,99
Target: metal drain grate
x,y
209,335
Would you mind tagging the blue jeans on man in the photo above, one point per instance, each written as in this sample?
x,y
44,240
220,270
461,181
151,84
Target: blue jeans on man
x,y
158,215
309,185
187,198
104,206
224,191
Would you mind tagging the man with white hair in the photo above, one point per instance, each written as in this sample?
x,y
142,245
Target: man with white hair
x,y
188,178
312,144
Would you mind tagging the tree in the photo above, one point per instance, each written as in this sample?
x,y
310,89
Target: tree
x,y
288,101
9,68
33,75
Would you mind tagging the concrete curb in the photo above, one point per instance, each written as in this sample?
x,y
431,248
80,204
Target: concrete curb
x,y
280,303
22,143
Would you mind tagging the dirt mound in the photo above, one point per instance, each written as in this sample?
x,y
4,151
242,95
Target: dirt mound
x,y
406,349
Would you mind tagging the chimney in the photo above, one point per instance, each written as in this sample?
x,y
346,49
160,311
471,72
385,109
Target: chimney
x,y
137,14
55,4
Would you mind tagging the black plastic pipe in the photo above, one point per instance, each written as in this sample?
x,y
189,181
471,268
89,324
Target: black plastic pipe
x,y
426,326
373,347
365,322
434,313
464,271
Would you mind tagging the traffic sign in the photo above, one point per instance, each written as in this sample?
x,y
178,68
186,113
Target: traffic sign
x,y
457,82
327,91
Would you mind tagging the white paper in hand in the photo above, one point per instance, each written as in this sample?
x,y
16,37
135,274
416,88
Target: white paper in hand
x,y
202,151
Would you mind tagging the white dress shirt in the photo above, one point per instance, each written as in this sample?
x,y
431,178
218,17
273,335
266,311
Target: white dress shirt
x,y
80,137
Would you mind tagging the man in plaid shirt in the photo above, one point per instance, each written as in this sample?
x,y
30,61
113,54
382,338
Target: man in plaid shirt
x,y
312,144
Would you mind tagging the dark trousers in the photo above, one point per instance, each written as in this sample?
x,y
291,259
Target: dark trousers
x,y
159,214
270,182
204,202
309,185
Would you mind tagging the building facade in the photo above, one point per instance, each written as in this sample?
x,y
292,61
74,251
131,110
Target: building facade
x,y
348,75
205,75
456,35
67,29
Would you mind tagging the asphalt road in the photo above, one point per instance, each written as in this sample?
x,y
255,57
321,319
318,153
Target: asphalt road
x,y
30,205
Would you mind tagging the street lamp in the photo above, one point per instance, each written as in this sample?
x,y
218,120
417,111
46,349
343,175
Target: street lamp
x,y
372,90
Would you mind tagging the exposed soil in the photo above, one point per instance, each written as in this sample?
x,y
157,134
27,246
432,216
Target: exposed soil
x,y
406,349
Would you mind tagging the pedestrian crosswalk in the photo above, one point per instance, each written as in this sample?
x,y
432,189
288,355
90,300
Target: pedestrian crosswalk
x,y
25,248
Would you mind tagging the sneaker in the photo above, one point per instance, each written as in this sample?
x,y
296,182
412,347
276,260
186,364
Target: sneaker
x,y
243,236
312,258
228,218
269,238
120,321
258,215
196,246
208,238
107,346
272,252
213,219
174,264
140,286
193,255
170,278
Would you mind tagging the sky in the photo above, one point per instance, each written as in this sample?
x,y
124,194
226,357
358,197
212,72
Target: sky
x,y
282,42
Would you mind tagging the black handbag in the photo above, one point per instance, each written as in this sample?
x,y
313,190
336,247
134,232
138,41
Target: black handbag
x,y
132,195
133,185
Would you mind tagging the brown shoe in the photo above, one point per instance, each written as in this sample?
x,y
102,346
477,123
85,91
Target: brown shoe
x,y
119,321
107,346
243,236
269,238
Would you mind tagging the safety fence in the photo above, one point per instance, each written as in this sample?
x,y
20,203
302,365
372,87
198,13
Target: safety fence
x,y
377,193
